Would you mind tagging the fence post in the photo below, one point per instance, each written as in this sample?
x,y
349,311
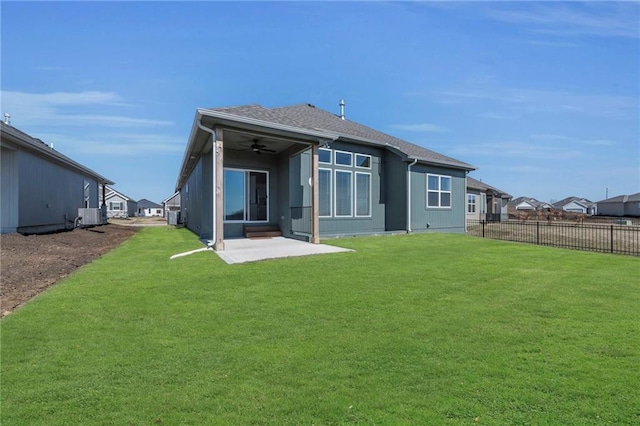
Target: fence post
x,y
538,233
611,238
483,229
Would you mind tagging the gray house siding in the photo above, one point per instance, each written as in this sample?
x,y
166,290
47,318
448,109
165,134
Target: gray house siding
x,y
395,192
446,219
9,190
49,195
196,196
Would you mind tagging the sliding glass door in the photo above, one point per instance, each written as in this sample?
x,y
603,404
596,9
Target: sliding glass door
x,y
246,195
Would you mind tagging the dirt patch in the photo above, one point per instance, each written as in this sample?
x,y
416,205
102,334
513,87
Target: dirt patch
x,y
31,264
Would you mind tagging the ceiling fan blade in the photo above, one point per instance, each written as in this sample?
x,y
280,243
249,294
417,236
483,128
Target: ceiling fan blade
x,y
267,150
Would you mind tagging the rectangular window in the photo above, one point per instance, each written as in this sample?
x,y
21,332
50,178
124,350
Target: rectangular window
x,y
363,161
438,191
471,203
363,194
343,193
324,155
245,196
87,194
115,206
343,158
324,189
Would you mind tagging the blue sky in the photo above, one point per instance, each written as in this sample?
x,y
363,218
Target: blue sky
x,y
542,97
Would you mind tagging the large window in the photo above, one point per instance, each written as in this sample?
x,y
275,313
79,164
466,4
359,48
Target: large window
x,y
245,196
324,155
115,205
363,194
324,189
471,203
343,158
438,191
343,193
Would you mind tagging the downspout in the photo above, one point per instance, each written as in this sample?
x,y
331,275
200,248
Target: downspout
x,y
409,195
213,169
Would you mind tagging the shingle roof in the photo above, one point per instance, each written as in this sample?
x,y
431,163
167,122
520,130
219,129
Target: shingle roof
x,y
147,204
476,184
560,204
622,199
307,116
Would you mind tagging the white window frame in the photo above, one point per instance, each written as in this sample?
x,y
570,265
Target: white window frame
x,y
439,191
330,156
335,193
471,203
331,200
355,194
245,189
113,203
335,158
362,155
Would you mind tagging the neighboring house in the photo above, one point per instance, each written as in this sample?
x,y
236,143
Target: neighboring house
x,y
148,208
171,204
312,173
528,204
576,205
484,202
41,188
119,205
622,205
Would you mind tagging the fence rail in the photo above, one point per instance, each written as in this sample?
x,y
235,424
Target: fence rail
x,y
619,239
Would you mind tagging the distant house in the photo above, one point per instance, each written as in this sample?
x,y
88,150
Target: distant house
x,y
41,188
119,205
528,204
576,205
171,204
310,173
621,205
484,202
148,208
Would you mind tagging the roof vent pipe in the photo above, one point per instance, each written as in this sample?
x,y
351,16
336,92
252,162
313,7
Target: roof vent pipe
x,y
7,118
341,109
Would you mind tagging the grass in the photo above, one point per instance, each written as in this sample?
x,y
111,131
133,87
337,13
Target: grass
x,y
419,329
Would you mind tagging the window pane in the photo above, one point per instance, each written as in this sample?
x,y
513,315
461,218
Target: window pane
x,y
445,199
343,158
363,194
434,182
324,155
233,195
432,199
343,193
445,183
324,190
257,184
363,161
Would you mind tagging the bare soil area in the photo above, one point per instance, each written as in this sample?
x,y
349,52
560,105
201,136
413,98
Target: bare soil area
x,y
31,264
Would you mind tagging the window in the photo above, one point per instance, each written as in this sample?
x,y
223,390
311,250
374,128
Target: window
x,y
324,189
324,155
343,158
363,194
471,203
245,196
438,191
343,193
87,194
115,205
363,161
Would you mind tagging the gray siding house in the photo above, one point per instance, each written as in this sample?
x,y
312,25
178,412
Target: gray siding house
x,y
171,204
119,205
484,202
42,189
576,205
621,205
312,174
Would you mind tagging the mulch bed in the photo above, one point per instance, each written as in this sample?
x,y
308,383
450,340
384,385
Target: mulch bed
x,y
31,264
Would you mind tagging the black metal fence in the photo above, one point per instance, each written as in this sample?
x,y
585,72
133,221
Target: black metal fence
x,y
301,220
619,239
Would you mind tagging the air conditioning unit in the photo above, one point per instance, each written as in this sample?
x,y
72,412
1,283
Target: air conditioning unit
x,y
91,217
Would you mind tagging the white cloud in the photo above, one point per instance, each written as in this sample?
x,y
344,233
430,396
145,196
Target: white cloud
x,y
115,144
420,127
607,19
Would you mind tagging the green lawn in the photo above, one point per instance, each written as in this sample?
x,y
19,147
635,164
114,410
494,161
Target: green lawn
x,y
420,329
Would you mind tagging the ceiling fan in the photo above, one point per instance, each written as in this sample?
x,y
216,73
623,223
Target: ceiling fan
x,y
259,148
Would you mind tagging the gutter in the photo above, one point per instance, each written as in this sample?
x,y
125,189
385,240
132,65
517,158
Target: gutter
x,y
213,168
415,160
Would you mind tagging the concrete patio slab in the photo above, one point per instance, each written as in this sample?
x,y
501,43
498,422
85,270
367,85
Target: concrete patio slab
x,y
243,250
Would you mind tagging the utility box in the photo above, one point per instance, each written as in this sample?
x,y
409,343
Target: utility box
x,y
91,216
172,218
